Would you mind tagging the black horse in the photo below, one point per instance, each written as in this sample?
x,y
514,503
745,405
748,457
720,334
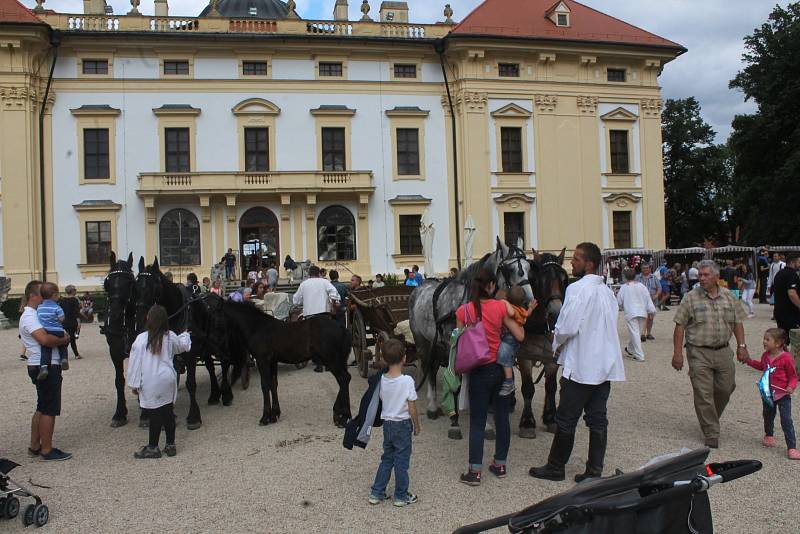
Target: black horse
x,y
272,341
549,283
119,327
152,287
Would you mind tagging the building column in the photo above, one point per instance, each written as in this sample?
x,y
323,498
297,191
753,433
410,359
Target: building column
x,y
206,258
652,169
150,231
233,228
285,227
364,262
475,183
311,227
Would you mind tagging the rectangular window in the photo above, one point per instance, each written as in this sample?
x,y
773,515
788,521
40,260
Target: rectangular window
x,y
95,154
407,151
514,228
619,152
616,75
95,66
254,68
508,70
402,70
256,149
563,19
98,242
333,149
410,241
174,67
330,69
622,229
176,150
511,148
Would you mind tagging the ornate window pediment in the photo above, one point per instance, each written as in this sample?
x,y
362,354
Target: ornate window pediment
x,y
256,106
620,114
622,199
512,111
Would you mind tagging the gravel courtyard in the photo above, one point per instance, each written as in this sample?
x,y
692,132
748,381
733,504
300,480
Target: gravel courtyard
x,y
233,475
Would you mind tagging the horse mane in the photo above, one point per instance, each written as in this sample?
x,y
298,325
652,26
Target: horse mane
x,y
466,275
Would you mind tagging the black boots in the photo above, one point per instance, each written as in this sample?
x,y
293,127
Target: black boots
x,y
597,453
560,451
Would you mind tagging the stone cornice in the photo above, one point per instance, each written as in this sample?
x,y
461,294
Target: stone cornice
x,y
546,103
473,102
16,97
587,104
651,107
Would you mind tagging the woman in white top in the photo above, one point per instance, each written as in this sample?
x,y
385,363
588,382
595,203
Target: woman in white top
x,y
152,377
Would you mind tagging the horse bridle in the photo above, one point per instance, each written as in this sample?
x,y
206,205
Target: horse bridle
x,y
508,263
559,296
131,290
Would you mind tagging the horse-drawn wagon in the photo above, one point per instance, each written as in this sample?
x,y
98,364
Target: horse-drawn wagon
x,y
374,317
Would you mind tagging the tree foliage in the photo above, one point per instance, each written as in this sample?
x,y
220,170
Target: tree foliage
x,y
766,144
697,178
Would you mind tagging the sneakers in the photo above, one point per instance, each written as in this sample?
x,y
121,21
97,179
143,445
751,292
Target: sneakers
x,y
498,470
147,452
768,441
632,357
507,388
23,357
650,337
643,339
33,453
377,499
794,454
712,443
65,365
78,356
170,450
471,478
56,455
410,499
43,374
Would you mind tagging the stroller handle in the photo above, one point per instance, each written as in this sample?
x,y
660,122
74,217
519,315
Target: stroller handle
x,y
733,469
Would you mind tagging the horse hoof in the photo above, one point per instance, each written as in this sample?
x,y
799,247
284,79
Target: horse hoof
x,y
552,428
144,423
527,433
213,402
454,433
263,422
433,414
489,434
194,426
440,412
227,402
118,422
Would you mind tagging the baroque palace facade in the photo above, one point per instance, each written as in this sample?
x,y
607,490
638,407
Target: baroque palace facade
x,y
251,128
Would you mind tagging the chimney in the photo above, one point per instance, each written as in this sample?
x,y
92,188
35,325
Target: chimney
x,y
162,8
340,10
94,7
394,12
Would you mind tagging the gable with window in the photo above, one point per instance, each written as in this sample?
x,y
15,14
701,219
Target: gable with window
x,y
179,238
336,234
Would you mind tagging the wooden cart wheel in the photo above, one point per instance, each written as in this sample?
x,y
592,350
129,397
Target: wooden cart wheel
x,y
359,335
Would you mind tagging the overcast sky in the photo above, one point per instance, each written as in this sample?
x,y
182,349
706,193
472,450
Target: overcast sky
x,y
712,30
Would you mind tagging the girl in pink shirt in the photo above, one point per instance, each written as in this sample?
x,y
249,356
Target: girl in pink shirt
x,y
783,382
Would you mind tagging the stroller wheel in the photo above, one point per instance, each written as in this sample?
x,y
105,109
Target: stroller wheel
x,y
41,515
27,517
11,507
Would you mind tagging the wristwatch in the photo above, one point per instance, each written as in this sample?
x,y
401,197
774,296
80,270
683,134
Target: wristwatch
x,y
742,345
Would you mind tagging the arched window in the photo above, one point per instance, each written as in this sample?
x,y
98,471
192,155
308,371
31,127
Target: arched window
x,y
336,234
179,238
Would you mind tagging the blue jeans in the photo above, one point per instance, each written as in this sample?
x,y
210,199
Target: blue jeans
x,y
785,407
484,387
507,352
397,455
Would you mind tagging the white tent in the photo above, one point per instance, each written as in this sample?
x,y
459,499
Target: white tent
x,y
426,234
469,240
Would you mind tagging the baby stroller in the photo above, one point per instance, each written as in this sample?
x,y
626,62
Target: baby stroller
x,y
35,514
668,496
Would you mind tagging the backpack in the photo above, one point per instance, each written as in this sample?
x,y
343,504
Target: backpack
x,y
472,350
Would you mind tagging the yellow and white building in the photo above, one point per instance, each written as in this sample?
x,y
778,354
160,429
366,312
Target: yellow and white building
x,y
249,126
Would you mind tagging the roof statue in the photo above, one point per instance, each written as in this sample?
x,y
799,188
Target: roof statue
x,y
365,11
448,14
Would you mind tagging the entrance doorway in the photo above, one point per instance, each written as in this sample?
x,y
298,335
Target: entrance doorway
x,y
259,239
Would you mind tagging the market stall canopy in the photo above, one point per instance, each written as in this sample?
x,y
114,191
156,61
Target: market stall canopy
x,y
625,252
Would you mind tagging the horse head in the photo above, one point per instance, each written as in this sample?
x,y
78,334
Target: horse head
x,y
549,281
511,266
120,289
150,284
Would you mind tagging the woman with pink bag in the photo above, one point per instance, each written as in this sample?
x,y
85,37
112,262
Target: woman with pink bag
x,y
483,313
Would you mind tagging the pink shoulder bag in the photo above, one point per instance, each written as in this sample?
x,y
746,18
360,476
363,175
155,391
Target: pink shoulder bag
x,y
472,349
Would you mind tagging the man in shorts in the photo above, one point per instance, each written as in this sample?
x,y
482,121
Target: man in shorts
x,y
48,391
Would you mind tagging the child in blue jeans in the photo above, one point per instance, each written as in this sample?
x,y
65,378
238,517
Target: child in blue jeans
x,y
507,352
400,420
50,317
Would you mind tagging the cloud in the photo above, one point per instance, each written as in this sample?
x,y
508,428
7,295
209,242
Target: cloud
x,y
712,30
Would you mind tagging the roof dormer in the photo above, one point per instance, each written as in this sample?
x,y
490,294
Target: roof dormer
x,y
560,14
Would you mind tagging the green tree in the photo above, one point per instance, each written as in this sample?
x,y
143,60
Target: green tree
x,y
766,144
696,177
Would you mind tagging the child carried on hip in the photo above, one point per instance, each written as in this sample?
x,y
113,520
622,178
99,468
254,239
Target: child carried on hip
x,y
507,353
51,317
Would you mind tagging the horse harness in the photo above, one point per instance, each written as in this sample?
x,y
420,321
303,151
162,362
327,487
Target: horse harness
x,y
123,328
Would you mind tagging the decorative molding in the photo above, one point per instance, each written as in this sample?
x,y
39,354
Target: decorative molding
x,y
150,209
651,107
621,199
515,200
97,205
409,111
620,114
15,97
286,202
546,103
311,202
339,111
205,208
176,109
472,102
588,104
363,206
409,200
511,111
256,106
547,57
230,202
588,60
95,111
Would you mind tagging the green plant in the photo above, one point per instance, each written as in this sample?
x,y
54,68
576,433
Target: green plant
x,y
391,280
10,309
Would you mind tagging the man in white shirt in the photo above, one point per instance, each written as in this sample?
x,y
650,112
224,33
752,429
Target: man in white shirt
x,y
48,390
586,340
693,276
317,296
634,300
774,268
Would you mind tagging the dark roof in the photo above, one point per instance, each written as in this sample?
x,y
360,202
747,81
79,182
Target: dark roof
x,y
14,12
528,19
265,9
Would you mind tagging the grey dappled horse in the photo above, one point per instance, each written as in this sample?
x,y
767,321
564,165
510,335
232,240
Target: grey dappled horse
x,y
432,308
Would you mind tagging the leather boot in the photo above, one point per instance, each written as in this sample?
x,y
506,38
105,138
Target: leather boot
x,y
560,451
597,453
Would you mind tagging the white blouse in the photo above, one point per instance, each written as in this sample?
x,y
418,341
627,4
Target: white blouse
x,y
153,374
634,299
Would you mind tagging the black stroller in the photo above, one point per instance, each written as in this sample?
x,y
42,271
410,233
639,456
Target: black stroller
x,y
667,497
35,514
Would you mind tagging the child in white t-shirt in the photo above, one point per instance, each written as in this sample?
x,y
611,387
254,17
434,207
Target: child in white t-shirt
x,y
400,420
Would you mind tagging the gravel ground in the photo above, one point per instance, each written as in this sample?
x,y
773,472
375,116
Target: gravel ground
x,y
236,476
